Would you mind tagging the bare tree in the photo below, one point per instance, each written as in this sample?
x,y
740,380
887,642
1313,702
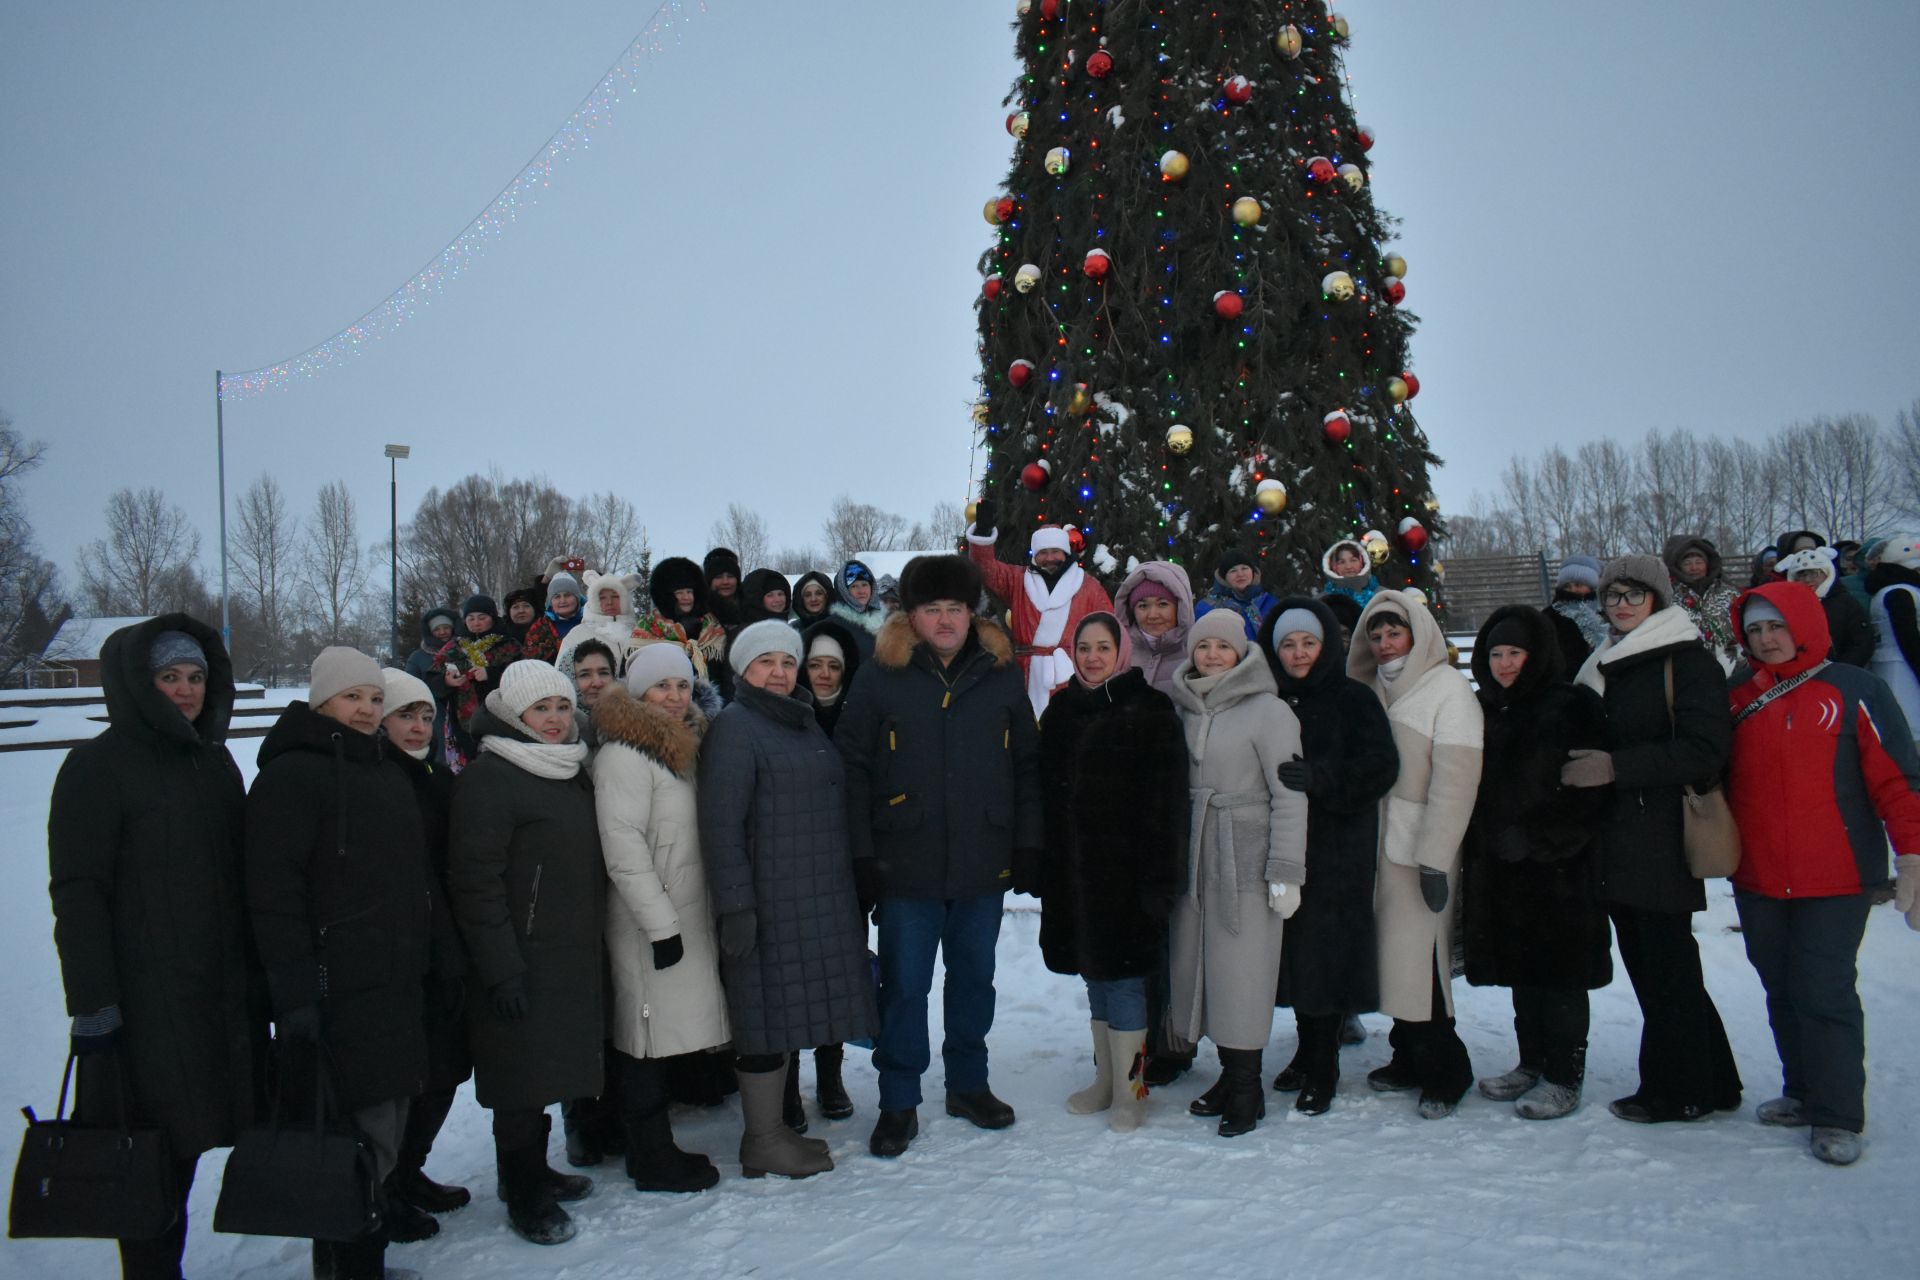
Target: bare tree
x,y
607,532
137,567
536,525
945,526
1746,485
265,554
1831,480
745,532
794,559
1904,448
29,583
852,527
1674,494
334,564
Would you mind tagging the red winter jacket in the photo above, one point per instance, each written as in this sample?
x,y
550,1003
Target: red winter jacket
x,y
1820,777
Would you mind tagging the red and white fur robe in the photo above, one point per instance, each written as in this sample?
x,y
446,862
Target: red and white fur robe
x,y
1043,621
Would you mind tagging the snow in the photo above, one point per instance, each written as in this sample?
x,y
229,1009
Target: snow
x,y
1367,1189
82,637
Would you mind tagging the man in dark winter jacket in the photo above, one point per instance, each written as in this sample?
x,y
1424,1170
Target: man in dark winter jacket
x,y
943,798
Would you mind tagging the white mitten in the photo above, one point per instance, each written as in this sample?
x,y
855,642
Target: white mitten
x,y
1906,887
1284,899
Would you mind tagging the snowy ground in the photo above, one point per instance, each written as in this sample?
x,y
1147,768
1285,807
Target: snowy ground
x,y
1368,1189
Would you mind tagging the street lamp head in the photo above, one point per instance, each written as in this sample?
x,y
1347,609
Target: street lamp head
x,y
399,450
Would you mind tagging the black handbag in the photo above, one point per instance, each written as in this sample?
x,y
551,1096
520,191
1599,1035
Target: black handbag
x,y
97,1181
312,1183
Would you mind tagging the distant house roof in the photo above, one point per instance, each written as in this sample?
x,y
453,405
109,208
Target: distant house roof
x,y
79,639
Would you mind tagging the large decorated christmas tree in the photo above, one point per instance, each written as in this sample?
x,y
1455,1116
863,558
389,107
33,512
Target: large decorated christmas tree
x,y
1191,335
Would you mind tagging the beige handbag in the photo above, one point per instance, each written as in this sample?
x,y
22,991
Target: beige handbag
x,y
1708,832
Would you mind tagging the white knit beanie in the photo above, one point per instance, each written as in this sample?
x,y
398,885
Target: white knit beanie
x,y
525,683
823,645
404,689
769,636
339,668
648,665
1049,538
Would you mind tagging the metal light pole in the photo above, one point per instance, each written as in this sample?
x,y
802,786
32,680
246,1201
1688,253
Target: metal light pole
x,y
395,452
220,444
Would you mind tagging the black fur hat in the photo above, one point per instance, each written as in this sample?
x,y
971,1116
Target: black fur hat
x,y
718,561
672,574
930,578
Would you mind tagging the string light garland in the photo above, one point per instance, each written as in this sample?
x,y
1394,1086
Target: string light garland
x,y
575,135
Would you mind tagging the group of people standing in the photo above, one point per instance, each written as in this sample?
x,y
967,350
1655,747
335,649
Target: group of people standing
x,y
572,848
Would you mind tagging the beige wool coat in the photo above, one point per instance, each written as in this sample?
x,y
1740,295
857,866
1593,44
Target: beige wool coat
x,y
644,798
1247,831
1437,729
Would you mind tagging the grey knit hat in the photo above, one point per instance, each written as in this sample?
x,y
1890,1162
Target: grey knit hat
x,y
648,665
769,636
171,648
339,668
564,582
1647,571
1584,570
1219,624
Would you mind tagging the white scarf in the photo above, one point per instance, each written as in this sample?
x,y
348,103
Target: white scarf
x,y
1664,628
1045,670
418,753
1391,669
541,759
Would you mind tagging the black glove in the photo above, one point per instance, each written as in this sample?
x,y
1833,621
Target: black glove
x,y
1029,871
867,884
739,931
667,952
983,515
453,996
1433,887
510,998
95,1032
1296,775
299,1024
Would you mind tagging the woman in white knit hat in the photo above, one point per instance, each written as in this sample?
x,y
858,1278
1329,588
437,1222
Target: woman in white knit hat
x,y
529,890
667,998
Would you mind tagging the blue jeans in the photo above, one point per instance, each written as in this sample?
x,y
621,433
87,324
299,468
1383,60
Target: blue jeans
x,y
965,931
1121,1003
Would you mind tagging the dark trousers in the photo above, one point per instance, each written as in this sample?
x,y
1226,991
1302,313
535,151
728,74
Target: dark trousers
x,y
964,931
1160,1043
1805,950
1551,1026
1317,1053
1433,1050
1685,1060
159,1258
518,1128
425,1116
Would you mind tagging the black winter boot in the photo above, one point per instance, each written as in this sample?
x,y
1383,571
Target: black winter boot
x,y
581,1118
654,1161
1246,1101
792,1110
414,1187
403,1221
532,1210
834,1102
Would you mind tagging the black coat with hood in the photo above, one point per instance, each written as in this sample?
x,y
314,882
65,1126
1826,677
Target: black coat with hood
x,y
1113,767
729,609
419,664
1329,958
753,590
801,618
827,714
339,888
1530,891
448,1061
942,765
144,850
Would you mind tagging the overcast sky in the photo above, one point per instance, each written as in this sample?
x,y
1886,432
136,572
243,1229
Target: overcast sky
x,y
757,284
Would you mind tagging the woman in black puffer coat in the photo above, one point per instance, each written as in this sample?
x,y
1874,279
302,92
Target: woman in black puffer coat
x,y
1530,893
1329,959
149,914
339,890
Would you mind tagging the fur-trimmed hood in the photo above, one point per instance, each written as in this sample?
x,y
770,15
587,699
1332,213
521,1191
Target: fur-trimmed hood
x,y
1678,546
621,717
669,576
1350,544
1544,666
893,647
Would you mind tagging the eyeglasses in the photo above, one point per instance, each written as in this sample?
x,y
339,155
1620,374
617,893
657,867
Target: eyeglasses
x,y
1633,595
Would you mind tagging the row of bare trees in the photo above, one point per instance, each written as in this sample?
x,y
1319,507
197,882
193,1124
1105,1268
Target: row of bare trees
x,y
849,529
1845,476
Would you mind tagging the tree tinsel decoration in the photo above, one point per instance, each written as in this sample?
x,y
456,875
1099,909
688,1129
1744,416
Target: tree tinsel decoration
x,y
1255,389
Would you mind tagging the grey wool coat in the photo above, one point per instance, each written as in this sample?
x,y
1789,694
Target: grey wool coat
x,y
773,832
1246,831
529,891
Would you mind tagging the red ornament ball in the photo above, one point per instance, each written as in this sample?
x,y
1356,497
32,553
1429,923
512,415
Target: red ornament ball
x,y
1337,426
1020,372
1364,136
1036,474
1076,540
1321,169
1228,305
1004,207
1049,10
992,287
1413,534
1100,64
1395,291
1238,90
1097,264
1413,388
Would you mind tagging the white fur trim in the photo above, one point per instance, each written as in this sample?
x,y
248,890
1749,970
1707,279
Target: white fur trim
x,y
1049,538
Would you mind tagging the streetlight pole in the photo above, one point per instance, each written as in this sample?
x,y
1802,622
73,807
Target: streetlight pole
x,y
395,452
220,445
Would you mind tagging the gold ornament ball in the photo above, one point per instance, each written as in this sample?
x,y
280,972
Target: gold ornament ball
x,y
1174,165
1059,160
972,512
992,211
1339,25
1396,266
1337,285
979,413
1352,176
1081,400
1270,496
1026,278
1247,211
1287,42
1377,548
1397,390
1179,438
